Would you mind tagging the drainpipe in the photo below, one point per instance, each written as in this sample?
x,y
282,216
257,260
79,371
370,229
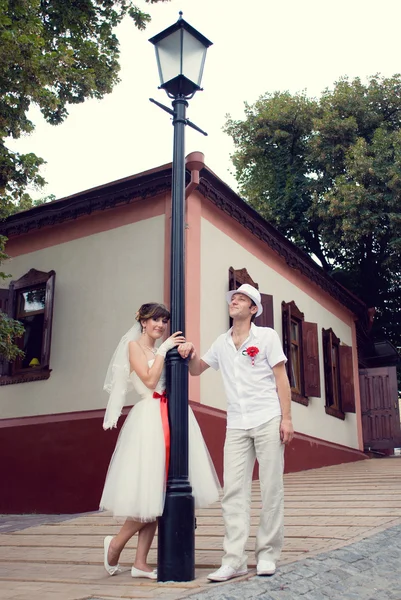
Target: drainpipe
x,y
194,162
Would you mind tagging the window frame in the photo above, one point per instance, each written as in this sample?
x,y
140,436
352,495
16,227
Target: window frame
x,y
31,280
16,365
237,277
291,313
308,353
333,406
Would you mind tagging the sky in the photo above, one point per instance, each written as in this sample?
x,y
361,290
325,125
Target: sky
x,y
259,46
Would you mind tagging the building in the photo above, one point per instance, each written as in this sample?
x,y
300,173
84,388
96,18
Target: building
x,y
82,265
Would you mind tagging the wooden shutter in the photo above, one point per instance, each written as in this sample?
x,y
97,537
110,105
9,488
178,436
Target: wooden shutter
x,y
48,318
310,355
4,294
347,379
286,315
327,366
4,366
266,319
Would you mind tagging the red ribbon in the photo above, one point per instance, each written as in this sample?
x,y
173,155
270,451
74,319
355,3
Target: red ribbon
x,y
165,424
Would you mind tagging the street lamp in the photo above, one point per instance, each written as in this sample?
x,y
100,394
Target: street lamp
x,y
180,54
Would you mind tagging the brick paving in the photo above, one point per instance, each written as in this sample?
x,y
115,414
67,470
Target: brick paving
x,y
367,570
60,556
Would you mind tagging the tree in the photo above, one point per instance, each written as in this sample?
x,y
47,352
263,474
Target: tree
x,y
327,173
10,329
53,53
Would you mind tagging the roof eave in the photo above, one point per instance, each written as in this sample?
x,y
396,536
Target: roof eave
x,y
153,182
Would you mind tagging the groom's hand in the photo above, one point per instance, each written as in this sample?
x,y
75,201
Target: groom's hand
x,y
286,431
187,349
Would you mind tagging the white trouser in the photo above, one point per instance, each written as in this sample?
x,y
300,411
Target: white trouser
x,y
241,448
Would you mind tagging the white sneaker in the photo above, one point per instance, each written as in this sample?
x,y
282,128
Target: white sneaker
x,y
226,572
265,567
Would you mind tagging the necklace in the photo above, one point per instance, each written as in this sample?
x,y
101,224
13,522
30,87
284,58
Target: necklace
x,y
152,350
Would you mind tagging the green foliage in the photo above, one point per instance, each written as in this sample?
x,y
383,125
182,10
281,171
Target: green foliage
x,y
273,163
327,173
3,255
53,53
9,328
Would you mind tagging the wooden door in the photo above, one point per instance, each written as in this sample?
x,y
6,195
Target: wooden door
x,y
380,411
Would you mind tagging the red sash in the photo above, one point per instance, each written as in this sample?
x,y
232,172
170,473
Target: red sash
x,y
165,424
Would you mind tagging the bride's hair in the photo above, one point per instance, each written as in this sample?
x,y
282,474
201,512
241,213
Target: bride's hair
x,y
152,310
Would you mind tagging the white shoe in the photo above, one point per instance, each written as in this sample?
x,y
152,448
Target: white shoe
x,y
139,573
111,569
265,567
226,572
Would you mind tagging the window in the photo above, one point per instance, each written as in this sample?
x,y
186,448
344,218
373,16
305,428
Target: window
x,y
237,277
338,376
30,301
301,348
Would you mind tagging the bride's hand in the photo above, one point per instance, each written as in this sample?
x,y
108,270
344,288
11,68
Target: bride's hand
x,y
174,340
186,349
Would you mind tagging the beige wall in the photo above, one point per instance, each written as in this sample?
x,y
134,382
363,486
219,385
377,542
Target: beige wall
x,y
101,280
219,253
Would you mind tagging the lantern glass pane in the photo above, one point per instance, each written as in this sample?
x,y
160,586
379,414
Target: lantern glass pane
x,y
169,55
194,53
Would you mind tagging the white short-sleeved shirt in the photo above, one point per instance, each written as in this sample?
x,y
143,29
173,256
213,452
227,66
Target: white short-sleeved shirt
x,y
250,388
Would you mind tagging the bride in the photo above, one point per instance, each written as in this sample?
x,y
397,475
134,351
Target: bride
x,y
136,478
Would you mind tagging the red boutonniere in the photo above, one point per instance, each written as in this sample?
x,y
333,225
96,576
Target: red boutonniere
x,y
252,351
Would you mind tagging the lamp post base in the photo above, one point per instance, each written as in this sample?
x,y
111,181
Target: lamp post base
x,y
176,537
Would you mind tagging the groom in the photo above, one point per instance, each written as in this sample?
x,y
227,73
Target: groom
x,y
252,365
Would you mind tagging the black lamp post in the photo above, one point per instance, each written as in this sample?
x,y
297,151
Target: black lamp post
x,y
180,53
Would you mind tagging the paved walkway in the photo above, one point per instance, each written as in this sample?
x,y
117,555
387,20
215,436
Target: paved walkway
x,y
366,570
325,510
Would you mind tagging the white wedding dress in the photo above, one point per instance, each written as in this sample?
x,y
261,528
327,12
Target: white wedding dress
x,y
136,478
